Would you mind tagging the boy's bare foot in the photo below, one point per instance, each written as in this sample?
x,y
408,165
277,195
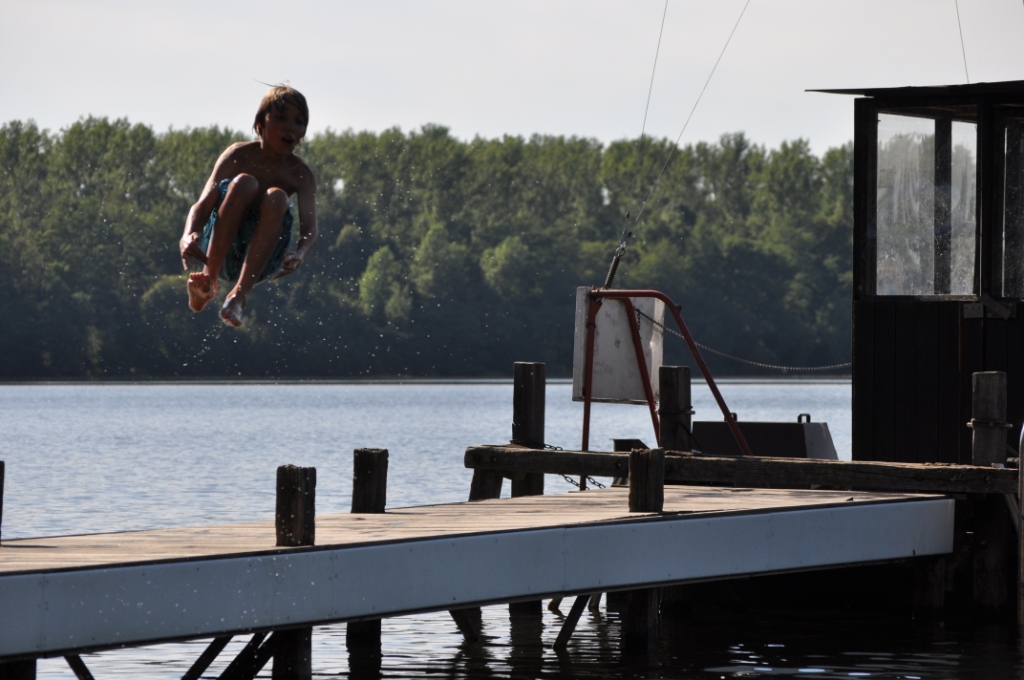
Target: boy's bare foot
x,y
231,312
201,289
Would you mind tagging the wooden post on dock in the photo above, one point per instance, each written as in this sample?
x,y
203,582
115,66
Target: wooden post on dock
x,y
676,415
991,523
529,383
1,499
369,495
295,522
646,494
646,480
370,480
675,410
988,446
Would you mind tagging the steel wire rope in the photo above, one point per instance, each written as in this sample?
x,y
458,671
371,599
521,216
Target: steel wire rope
x,y
627,233
672,151
643,128
963,50
758,364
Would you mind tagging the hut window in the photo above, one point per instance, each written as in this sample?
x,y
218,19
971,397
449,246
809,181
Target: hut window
x,y
925,206
1013,210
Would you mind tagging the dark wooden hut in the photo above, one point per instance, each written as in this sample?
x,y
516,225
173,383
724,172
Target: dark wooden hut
x,y
938,264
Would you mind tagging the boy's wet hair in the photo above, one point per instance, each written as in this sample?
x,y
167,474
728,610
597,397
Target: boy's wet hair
x,y
276,99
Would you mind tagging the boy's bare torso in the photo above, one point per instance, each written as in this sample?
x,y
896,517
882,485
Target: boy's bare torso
x,y
289,173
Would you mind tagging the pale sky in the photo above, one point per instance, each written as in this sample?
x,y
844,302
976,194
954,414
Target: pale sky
x,y
493,68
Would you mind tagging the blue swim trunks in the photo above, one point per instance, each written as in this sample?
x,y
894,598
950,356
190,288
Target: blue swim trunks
x,y
235,257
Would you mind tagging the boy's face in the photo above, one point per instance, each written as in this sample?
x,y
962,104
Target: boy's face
x,y
284,128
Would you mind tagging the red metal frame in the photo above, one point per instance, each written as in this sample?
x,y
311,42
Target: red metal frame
x,y
595,299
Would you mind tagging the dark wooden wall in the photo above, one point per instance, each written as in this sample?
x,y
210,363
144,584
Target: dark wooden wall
x,y
913,360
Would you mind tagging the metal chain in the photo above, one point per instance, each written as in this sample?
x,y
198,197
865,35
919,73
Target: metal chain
x,y
590,480
549,447
758,364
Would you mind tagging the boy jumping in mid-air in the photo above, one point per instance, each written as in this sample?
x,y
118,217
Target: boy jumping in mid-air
x,y
240,227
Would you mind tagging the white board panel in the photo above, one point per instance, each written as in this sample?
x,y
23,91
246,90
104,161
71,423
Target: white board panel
x,y
617,377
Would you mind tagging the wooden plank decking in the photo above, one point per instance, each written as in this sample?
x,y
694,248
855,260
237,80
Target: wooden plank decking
x,y
400,524
68,593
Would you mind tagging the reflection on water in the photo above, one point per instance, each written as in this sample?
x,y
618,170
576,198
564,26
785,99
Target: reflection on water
x,y
518,646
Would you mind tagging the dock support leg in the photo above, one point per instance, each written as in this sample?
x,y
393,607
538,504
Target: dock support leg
x,y
991,528
529,382
992,532
18,670
646,494
569,625
211,652
526,637
296,526
369,495
676,412
293,654
250,660
640,624
78,667
468,622
929,585
486,485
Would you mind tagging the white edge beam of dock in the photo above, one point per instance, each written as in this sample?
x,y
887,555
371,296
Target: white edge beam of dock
x,y
61,611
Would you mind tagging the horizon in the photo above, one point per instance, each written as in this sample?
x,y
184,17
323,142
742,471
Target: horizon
x,y
250,136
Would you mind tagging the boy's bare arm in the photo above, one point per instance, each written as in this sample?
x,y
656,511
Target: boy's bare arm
x,y
308,231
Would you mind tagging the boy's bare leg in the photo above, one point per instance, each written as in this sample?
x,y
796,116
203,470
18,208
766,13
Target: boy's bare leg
x,y
202,286
261,247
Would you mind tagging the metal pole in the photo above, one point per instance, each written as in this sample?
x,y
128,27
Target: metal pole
x,y
641,364
619,294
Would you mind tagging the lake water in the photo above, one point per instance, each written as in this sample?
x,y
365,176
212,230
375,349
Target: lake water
x,y
87,458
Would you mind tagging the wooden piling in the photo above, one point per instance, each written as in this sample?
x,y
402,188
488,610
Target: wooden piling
x,y
486,484
529,381
640,625
929,585
675,409
18,670
1,498
646,480
295,521
989,418
646,494
992,527
369,495
295,518
369,480
676,414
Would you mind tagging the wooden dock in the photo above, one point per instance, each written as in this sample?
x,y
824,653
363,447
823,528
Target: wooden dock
x,y
64,595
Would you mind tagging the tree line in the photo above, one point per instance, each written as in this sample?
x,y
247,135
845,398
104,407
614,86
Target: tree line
x,y
438,256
